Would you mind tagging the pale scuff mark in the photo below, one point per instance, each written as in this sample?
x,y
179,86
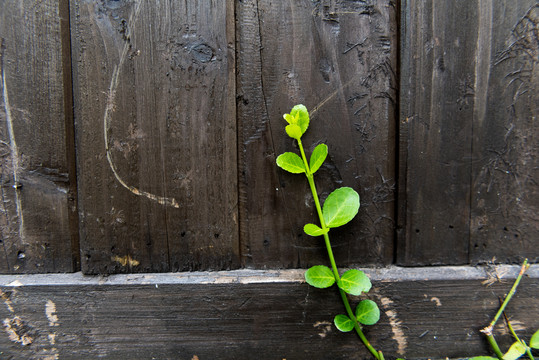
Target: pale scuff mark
x,y
125,260
436,301
15,163
396,328
17,331
325,326
50,312
53,356
7,301
483,63
109,109
503,330
332,95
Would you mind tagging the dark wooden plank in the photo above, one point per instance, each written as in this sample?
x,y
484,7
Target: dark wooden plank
x,y
338,59
468,159
505,201
156,135
238,314
439,40
38,209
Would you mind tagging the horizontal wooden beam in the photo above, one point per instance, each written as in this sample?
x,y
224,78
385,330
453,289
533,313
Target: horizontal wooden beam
x,y
426,312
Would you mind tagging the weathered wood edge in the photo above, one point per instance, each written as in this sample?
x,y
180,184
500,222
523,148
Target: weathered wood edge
x,y
248,276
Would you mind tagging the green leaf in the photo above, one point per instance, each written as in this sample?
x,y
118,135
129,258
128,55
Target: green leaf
x,y
300,113
343,323
515,351
367,312
317,157
340,207
320,276
354,282
298,121
294,131
291,162
482,358
534,341
313,230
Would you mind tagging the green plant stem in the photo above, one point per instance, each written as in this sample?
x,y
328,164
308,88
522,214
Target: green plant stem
x,y
310,178
528,350
510,294
488,331
512,331
494,346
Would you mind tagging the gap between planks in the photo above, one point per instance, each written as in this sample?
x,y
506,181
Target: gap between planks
x,y
247,276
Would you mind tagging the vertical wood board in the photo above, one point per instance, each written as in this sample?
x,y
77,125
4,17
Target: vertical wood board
x,y
505,201
338,59
437,67
37,200
467,150
156,135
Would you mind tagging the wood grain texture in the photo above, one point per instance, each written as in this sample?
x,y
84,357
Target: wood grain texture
x,y
337,58
436,114
505,201
466,169
156,135
37,232
420,319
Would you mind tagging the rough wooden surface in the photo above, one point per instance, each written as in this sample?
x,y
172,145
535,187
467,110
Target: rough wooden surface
x,y
505,197
338,58
156,135
235,315
37,199
468,151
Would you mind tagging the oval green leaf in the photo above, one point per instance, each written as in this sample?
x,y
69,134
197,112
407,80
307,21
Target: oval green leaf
x,y
294,131
320,276
354,282
367,312
343,323
340,207
291,162
482,358
300,113
317,157
534,341
515,351
313,230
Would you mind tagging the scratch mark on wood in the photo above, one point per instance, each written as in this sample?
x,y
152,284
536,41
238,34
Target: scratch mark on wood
x,y
482,65
436,301
7,301
396,328
50,312
14,154
332,95
18,331
109,109
125,260
325,326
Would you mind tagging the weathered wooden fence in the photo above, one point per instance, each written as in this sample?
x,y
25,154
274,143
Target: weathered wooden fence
x,y
160,122
141,136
